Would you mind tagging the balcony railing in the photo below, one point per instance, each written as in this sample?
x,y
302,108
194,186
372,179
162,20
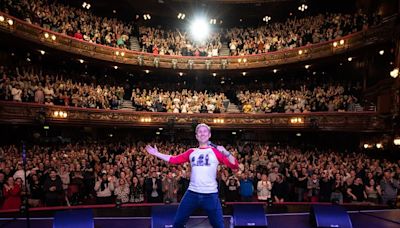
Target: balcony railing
x,y
24,30
30,113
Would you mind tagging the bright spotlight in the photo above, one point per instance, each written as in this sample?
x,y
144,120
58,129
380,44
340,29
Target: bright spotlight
x,y
394,73
199,29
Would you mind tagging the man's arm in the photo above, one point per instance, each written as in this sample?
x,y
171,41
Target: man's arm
x,y
226,157
154,151
178,159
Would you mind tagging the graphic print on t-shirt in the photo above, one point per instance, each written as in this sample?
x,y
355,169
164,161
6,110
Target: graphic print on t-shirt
x,y
200,160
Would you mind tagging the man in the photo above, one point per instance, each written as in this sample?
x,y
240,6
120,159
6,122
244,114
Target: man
x,y
153,188
356,191
280,189
246,188
53,189
389,187
170,188
203,186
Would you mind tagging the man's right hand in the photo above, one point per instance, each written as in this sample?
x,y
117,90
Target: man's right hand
x,y
152,150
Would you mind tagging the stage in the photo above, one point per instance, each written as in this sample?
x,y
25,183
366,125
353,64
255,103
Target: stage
x,y
107,217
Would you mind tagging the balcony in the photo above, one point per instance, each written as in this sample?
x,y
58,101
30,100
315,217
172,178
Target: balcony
x,y
30,113
39,35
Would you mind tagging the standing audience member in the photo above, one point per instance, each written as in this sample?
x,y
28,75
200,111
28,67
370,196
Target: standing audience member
x,y
12,195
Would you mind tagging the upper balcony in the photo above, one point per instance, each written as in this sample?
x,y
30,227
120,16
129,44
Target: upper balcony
x,y
21,29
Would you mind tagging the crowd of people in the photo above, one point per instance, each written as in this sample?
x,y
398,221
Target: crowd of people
x,y
321,98
296,32
185,101
71,174
169,42
82,24
30,85
75,22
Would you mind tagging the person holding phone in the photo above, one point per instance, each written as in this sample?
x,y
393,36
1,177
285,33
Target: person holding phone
x,y
203,186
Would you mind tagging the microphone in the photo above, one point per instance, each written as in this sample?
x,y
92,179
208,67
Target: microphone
x,y
212,144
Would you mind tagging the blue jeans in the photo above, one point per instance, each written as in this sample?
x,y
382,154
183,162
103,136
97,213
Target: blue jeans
x,y
193,200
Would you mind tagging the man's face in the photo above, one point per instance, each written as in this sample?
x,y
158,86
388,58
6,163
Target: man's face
x,y
203,134
53,174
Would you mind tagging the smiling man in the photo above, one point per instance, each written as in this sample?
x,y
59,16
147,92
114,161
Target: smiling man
x,y
203,187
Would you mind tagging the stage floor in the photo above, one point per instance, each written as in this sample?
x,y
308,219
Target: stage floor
x,y
360,219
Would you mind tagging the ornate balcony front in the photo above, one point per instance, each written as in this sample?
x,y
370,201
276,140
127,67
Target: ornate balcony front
x,y
29,113
24,30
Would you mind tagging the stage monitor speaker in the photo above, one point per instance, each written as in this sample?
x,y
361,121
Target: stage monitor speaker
x,y
329,216
163,216
249,215
82,218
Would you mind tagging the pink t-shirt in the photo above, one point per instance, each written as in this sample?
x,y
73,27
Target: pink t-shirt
x,y
204,163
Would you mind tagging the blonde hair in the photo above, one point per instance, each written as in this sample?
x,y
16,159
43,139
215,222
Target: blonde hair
x,y
202,125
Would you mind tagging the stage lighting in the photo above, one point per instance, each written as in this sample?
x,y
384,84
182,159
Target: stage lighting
x,y
42,52
2,18
350,59
394,73
275,70
381,52
199,29
396,141
10,21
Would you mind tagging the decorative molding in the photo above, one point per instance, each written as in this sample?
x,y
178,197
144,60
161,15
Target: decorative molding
x,y
29,113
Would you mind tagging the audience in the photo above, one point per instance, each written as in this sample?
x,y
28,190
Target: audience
x,y
54,88
75,22
296,32
321,98
84,25
125,173
185,101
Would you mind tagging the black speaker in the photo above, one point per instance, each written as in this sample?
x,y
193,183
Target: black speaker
x,y
82,218
329,216
245,215
163,216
